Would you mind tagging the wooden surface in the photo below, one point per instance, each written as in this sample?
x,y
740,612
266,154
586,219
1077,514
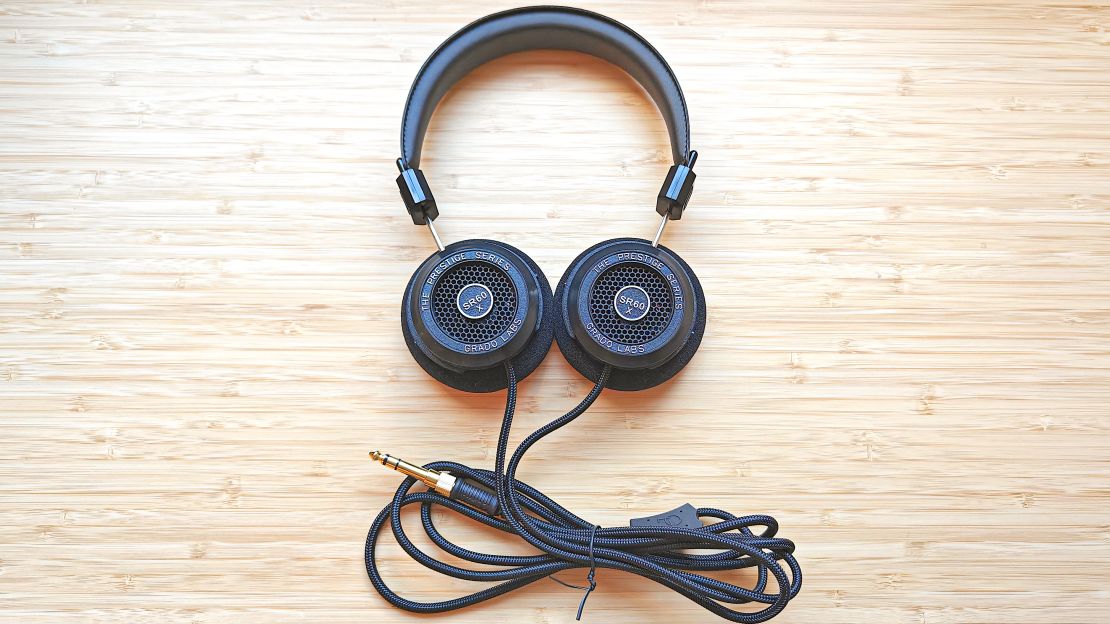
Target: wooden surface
x,y
901,224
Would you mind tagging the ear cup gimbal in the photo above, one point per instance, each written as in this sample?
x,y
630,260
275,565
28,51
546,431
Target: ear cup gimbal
x,y
628,303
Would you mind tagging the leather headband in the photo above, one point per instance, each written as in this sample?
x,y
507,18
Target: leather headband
x,y
542,28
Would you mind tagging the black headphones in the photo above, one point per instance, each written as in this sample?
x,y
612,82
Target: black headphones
x,y
626,302
628,314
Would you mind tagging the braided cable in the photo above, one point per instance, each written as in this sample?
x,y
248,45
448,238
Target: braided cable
x,y
567,542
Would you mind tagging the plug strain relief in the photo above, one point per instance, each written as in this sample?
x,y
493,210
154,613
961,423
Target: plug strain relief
x,y
476,495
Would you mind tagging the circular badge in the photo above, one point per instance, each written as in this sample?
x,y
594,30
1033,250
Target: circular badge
x,y
474,301
632,303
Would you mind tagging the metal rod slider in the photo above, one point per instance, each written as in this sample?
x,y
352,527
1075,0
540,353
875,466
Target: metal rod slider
x,y
658,233
435,235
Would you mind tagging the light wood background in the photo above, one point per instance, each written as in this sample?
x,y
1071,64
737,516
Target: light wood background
x,y
902,223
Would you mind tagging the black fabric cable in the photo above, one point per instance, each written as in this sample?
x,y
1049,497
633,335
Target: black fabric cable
x,y
568,542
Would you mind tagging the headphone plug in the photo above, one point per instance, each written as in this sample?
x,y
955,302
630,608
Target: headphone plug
x,y
463,490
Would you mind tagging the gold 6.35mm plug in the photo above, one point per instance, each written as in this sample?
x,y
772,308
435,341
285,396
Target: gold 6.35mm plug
x,y
463,490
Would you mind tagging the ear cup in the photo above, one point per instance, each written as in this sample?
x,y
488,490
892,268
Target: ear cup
x,y
637,307
469,308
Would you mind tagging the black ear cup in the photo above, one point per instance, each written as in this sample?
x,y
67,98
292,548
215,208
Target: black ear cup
x,y
637,307
473,306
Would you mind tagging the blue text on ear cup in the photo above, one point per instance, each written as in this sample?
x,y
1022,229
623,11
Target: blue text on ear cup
x,y
466,351
642,358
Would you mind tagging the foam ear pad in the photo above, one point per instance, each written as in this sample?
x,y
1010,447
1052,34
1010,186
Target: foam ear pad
x,y
588,364
491,378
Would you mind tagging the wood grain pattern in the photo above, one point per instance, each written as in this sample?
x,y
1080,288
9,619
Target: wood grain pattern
x,y
901,224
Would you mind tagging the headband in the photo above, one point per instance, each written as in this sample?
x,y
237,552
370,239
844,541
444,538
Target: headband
x,y
543,28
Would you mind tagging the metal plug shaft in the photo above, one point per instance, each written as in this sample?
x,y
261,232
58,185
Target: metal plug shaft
x,y
442,482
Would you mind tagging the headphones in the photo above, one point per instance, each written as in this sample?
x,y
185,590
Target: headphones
x,y
628,303
628,314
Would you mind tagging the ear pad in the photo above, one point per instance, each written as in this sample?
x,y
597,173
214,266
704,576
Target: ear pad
x,y
469,308
637,307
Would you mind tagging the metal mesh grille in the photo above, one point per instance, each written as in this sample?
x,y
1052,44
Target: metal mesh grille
x,y
473,331
631,332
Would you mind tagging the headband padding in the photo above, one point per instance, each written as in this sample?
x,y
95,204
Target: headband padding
x,y
542,28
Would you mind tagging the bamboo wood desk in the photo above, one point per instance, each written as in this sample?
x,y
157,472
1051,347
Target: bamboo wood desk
x,y
901,222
